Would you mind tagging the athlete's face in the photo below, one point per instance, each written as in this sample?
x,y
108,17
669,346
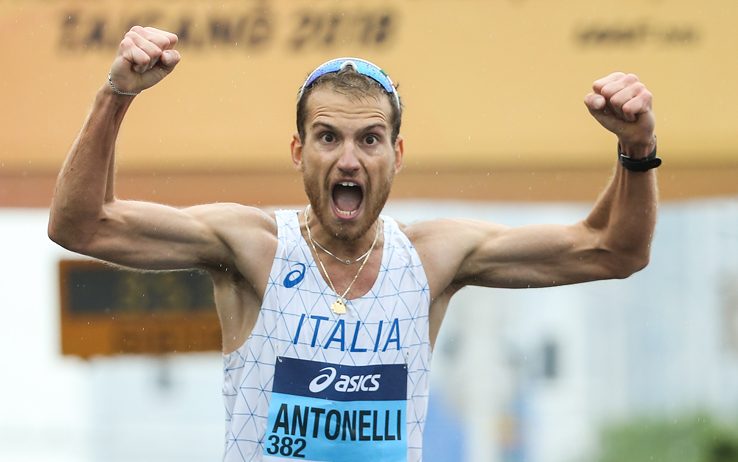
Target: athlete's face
x,y
347,159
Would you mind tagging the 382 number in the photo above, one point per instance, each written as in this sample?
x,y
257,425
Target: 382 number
x,y
286,446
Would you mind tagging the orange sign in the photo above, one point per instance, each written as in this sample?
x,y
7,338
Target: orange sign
x,y
485,83
110,311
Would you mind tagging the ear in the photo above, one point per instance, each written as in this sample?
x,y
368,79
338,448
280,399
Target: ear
x,y
296,149
399,153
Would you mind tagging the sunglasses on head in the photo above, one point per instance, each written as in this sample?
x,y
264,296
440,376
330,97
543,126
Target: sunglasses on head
x,y
359,65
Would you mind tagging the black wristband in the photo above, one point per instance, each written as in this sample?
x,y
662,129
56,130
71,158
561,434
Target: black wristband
x,y
639,165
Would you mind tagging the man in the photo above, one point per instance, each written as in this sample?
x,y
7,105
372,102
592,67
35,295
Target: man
x,y
329,314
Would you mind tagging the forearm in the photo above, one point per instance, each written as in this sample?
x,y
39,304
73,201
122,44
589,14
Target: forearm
x,y
85,182
625,215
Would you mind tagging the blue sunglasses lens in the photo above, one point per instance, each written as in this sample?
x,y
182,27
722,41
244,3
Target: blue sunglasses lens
x,y
361,66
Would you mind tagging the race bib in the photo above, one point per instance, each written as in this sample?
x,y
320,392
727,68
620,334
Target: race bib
x,y
336,413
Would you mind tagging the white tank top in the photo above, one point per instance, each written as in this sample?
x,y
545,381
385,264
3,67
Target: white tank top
x,y
311,385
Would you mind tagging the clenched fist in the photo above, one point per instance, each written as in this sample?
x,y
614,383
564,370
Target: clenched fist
x,y
622,104
145,56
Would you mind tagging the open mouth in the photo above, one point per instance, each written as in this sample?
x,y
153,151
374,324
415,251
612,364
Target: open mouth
x,y
347,199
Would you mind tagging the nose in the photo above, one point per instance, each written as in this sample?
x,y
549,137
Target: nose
x,y
348,163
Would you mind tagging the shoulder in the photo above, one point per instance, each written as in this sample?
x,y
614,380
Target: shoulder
x,y
223,216
440,239
444,245
441,247
246,231
452,232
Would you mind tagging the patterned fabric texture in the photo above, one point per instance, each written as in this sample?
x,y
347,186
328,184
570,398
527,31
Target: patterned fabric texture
x,y
386,327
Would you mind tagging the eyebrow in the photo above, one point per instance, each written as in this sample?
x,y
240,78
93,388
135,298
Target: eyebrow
x,y
375,126
316,125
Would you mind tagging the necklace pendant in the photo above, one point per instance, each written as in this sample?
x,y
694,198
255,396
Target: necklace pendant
x,y
339,307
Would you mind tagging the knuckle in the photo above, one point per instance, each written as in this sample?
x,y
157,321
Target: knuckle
x,y
618,100
614,77
125,43
608,91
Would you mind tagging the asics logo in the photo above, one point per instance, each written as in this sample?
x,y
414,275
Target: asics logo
x,y
294,277
322,381
345,383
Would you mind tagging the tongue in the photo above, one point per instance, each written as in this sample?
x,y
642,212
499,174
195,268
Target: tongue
x,y
347,198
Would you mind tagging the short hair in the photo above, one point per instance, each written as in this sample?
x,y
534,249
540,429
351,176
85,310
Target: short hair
x,y
351,83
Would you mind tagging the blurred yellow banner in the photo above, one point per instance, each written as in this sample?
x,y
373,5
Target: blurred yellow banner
x,y
486,83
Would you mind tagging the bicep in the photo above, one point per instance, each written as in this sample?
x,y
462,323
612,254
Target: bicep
x,y
153,236
533,256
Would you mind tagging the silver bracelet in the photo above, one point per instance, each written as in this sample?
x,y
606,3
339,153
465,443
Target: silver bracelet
x,y
117,90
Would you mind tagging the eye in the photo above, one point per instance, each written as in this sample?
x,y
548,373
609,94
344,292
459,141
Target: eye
x,y
327,137
371,139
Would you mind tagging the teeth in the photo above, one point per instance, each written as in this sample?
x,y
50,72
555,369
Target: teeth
x,y
348,183
344,213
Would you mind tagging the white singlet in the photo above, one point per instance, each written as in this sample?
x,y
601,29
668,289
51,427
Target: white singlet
x,y
311,385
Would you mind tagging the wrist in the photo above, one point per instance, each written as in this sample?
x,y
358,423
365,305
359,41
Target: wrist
x,y
638,162
637,150
109,102
118,91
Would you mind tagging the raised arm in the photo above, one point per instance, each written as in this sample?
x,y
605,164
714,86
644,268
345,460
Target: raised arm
x,y
85,215
613,241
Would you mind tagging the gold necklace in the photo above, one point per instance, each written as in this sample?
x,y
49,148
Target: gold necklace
x,y
339,306
347,261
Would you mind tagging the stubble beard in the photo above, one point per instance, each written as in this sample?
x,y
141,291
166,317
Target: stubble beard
x,y
372,209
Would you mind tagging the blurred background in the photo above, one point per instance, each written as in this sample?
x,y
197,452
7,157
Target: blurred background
x,y
103,365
